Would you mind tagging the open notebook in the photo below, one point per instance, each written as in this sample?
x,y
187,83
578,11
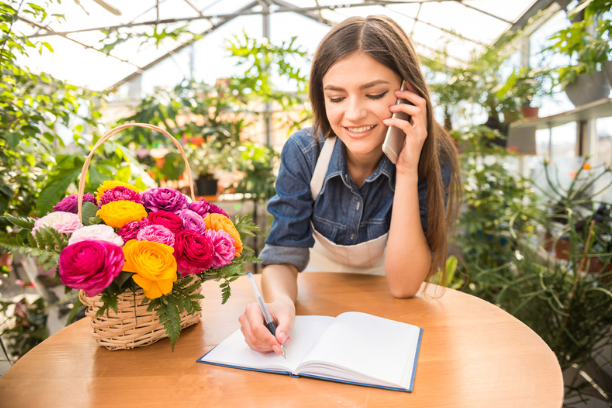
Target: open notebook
x,y
354,348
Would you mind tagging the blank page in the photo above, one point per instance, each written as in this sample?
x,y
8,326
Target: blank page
x,y
234,351
372,346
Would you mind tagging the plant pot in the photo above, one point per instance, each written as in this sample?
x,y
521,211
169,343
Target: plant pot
x,y
530,111
588,88
206,186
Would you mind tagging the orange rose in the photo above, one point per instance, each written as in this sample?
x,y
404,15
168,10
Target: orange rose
x,y
221,222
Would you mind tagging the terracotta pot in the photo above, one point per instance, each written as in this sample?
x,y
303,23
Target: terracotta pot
x,y
530,111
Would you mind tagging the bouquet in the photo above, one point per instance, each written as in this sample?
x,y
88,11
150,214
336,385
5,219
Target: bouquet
x,y
157,245
157,240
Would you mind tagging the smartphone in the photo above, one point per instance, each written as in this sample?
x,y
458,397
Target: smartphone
x,y
394,141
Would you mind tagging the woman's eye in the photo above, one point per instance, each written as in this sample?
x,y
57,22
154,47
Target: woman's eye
x,y
377,96
335,100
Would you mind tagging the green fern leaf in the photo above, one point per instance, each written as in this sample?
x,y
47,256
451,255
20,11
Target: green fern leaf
x,y
23,222
170,316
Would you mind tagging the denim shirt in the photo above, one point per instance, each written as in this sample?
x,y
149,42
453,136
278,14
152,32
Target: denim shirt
x,y
343,213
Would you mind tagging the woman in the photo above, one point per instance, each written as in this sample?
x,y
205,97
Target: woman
x,y
341,205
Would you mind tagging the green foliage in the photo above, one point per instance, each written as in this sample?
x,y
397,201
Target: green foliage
x,y
25,328
263,64
184,297
114,38
525,84
30,108
498,205
586,50
257,163
45,245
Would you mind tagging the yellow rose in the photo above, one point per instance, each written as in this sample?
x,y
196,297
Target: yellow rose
x,y
118,213
108,184
154,265
221,222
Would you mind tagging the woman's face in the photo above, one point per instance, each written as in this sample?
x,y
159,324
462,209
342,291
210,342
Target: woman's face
x,y
358,92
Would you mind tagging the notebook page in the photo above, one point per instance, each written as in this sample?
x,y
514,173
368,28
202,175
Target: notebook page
x,y
234,351
370,346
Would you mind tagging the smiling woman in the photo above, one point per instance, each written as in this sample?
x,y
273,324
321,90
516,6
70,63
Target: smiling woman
x,y
341,204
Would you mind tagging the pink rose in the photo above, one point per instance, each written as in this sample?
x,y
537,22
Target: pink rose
x,y
119,193
167,219
60,221
90,265
224,249
99,232
130,230
193,252
156,233
192,221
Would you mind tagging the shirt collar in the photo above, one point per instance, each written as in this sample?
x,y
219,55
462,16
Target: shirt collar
x,y
338,166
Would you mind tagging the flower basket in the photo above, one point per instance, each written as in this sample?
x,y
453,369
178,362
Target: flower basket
x,y
133,326
139,258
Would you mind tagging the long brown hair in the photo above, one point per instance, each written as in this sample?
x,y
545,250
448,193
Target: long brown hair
x,y
385,41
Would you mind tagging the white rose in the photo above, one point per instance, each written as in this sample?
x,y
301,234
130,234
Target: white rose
x,y
96,233
61,221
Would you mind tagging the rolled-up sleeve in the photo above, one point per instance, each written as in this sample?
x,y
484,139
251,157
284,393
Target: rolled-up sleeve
x,y
290,235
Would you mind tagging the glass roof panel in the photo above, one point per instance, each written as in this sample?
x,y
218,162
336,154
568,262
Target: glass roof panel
x,y
430,24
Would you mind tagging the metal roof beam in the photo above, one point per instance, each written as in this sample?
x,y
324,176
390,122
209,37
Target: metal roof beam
x,y
178,49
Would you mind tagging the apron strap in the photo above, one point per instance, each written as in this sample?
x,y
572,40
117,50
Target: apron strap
x,y
318,177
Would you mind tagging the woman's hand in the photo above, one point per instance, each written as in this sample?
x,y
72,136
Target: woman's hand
x,y
255,331
415,129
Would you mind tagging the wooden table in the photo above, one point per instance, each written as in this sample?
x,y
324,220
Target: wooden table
x,y
473,354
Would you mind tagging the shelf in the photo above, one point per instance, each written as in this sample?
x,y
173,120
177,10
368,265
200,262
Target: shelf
x,y
597,109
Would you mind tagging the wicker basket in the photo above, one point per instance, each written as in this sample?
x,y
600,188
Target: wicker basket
x,y
132,326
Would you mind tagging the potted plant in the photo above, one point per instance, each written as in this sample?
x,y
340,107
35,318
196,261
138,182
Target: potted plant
x,y
205,162
584,81
523,85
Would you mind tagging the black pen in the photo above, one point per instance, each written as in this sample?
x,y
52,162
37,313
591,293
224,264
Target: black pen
x,y
262,305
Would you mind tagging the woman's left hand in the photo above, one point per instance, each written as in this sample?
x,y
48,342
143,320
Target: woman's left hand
x,y
415,129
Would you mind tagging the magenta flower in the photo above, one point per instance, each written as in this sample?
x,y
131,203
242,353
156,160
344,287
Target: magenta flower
x,y
119,193
70,203
130,230
163,199
224,249
203,208
156,233
192,221
193,252
90,265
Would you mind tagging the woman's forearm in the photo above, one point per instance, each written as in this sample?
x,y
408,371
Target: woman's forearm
x,y
279,283
408,257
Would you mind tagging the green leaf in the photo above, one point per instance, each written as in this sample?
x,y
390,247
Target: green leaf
x,y
23,222
88,212
123,277
6,190
96,177
13,139
55,191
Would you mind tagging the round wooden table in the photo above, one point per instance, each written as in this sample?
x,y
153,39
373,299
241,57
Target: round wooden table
x,y
473,354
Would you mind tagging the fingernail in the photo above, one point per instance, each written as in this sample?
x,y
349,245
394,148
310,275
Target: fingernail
x,y
386,121
398,92
282,336
393,107
276,349
287,341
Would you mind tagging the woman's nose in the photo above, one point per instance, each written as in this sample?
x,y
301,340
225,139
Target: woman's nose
x,y
355,110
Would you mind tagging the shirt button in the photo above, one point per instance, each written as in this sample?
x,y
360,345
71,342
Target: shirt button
x,y
352,236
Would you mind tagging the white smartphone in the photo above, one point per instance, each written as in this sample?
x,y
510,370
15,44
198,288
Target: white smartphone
x,y
394,141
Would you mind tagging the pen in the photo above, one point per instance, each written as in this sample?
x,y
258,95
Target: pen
x,y
264,309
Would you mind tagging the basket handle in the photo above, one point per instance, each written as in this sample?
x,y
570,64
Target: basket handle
x,y
110,134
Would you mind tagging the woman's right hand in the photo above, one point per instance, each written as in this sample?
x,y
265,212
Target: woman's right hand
x,y
255,331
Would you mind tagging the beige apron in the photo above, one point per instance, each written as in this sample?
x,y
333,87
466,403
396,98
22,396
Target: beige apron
x,y
326,256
